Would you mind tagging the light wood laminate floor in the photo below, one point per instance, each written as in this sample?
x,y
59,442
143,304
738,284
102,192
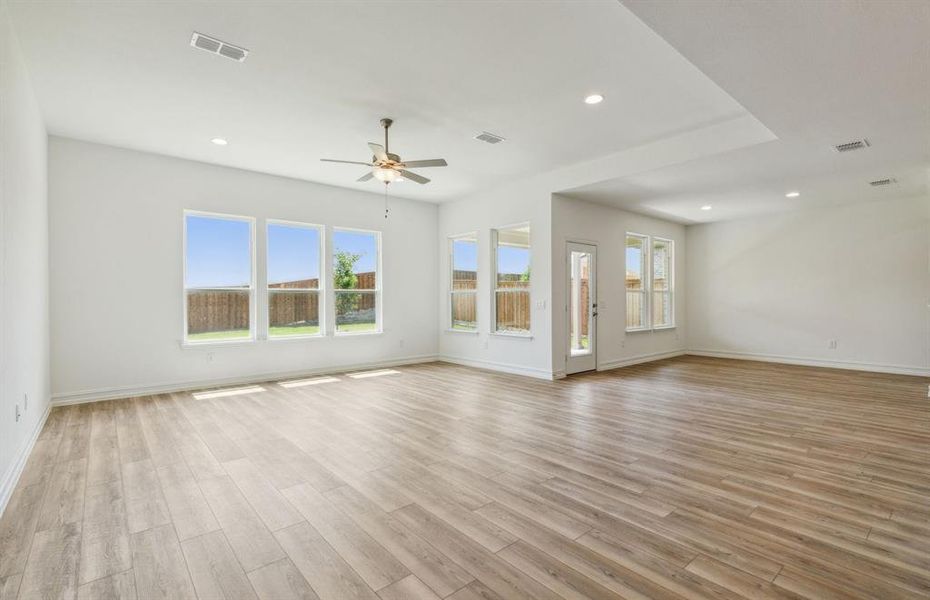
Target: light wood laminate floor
x,y
686,478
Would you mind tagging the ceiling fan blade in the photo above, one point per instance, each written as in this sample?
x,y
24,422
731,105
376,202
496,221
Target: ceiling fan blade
x,y
348,162
378,151
419,164
414,177
365,177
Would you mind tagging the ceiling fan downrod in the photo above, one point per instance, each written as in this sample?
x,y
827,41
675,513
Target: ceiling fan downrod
x,y
386,123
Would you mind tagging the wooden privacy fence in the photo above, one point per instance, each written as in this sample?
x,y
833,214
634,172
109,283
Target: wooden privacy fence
x,y
225,310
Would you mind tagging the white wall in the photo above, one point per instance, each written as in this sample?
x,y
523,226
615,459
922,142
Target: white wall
x,y
24,330
522,202
116,272
578,221
781,287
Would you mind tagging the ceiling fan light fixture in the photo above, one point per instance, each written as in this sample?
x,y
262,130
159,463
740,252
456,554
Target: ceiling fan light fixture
x,y
594,99
385,175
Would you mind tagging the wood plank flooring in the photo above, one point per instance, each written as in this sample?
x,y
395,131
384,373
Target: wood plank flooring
x,y
686,478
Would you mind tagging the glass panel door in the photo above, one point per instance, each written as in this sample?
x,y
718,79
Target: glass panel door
x,y
582,307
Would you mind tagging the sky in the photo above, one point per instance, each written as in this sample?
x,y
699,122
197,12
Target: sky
x,y
510,259
293,253
218,252
633,260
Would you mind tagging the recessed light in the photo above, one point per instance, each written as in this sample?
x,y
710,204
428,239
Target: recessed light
x,y
219,141
792,194
706,207
594,99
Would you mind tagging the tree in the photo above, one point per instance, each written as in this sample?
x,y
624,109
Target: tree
x,y
345,278
525,275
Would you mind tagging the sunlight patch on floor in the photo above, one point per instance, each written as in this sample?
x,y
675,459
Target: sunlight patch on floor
x,y
378,373
302,382
252,389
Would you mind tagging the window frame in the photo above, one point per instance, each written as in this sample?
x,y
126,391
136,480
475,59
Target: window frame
x,y
453,292
646,279
253,309
379,296
671,282
322,296
494,289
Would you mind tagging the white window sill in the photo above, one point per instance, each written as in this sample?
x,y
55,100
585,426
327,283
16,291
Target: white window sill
x,y
350,334
650,329
296,338
519,336
213,344
465,331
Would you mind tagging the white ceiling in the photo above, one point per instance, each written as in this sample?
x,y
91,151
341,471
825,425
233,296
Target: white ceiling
x,y
321,74
816,74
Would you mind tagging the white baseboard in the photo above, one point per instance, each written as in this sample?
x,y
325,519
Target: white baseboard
x,y
501,367
816,362
11,477
64,399
642,358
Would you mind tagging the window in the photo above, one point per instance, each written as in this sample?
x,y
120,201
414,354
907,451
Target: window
x,y
637,309
463,289
294,261
218,278
512,280
663,314
356,281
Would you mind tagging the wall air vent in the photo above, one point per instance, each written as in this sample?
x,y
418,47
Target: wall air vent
x,y
881,182
215,46
490,138
853,145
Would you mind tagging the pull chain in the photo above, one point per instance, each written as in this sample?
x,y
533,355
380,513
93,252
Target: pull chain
x,y
386,209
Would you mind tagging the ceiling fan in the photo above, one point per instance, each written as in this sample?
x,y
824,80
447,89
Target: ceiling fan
x,y
389,167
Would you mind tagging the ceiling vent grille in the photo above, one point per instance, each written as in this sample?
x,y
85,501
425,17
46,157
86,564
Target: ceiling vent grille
x,y
215,46
853,145
490,138
881,182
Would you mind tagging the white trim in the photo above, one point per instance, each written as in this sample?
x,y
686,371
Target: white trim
x,y
253,249
639,359
320,283
465,331
495,235
81,397
501,367
379,284
11,477
816,362
517,335
450,273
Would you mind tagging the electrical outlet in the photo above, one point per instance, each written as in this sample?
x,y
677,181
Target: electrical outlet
x,y
832,345
540,304
17,413
209,357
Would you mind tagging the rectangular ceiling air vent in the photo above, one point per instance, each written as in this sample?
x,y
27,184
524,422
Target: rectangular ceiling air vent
x,y
853,145
490,138
215,46
881,182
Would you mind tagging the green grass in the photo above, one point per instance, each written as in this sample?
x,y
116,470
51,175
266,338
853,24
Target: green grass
x,y
214,336
350,327
464,325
